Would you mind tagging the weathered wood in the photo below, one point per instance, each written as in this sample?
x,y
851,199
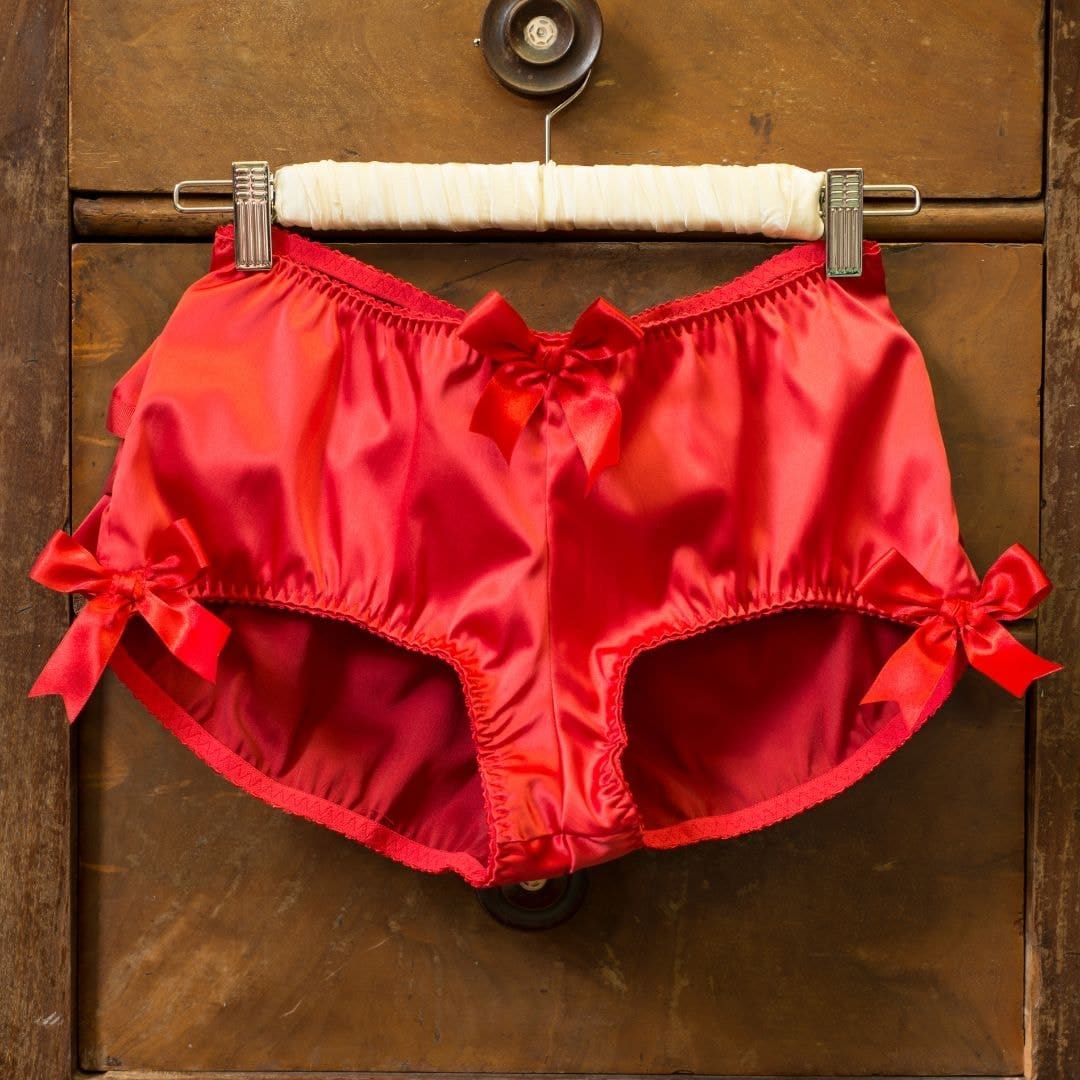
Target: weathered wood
x,y
217,933
205,913
35,787
139,217
153,217
984,222
923,93
125,1074
976,313
1054,907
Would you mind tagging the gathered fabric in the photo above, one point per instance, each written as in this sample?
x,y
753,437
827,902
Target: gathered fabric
x,y
529,366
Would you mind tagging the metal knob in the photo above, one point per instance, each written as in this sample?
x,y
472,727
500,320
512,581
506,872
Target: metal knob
x,y
540,47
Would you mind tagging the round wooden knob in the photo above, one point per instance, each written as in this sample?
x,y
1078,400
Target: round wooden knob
x,y
536,905
539,47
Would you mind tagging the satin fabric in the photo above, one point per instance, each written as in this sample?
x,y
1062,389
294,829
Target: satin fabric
x,y
1013,587
574,370
510,602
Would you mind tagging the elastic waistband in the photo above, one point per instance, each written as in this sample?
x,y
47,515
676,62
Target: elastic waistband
x,y
803,260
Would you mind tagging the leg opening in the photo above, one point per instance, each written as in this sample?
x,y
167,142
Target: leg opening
x,y
339,716
748,723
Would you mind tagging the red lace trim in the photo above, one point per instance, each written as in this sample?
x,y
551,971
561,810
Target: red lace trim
x,y
387,841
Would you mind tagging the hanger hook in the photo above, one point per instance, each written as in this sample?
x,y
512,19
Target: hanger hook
x,y
558,109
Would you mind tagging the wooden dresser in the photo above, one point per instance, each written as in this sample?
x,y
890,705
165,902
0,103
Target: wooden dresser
x,y
155,921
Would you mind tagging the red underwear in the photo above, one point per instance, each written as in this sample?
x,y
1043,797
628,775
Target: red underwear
x,y
511,603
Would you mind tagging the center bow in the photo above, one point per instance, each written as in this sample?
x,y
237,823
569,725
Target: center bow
x,y
156,591
527,364
914,675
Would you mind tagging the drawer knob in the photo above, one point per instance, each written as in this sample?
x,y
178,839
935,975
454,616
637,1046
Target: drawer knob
x,y
536,905
541,47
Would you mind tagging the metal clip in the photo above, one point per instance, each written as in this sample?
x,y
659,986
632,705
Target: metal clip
x,y
843,214
843,211
252,207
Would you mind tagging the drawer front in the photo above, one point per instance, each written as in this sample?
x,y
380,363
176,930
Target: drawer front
x,y
946,96
881,932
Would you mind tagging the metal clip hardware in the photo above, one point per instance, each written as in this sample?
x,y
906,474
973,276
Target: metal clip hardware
x,y
252,207
253,210
843,211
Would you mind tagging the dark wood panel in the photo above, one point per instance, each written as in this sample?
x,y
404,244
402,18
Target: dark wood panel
x,y
153,217
126,1074
216,932
976,312
1054,910
879,933
947,96
36,1001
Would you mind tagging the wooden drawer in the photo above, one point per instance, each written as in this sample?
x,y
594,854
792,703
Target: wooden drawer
x,y
947,96
828,943
923,923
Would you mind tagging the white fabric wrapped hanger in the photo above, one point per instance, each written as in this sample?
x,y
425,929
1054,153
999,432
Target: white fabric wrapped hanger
x,y
774,200
770,199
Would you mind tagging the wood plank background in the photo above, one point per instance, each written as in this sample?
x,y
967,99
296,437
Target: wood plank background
x,y
946,96
139,1074
145,115
1054,909
127,217
881,932
36,992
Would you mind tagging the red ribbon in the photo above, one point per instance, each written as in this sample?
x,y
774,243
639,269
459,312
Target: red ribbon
x,y
193,634
914,675
526,365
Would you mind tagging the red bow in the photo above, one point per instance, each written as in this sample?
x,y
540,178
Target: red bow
x,y
192,633
527,364
913,676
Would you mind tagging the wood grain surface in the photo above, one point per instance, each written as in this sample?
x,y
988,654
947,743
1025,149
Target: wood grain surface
x,y
883,932
1054,909
138,1074
946,96
153,217
36,992
880,933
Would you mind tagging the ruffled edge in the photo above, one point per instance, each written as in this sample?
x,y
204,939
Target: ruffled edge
x,y
401,302
250,778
